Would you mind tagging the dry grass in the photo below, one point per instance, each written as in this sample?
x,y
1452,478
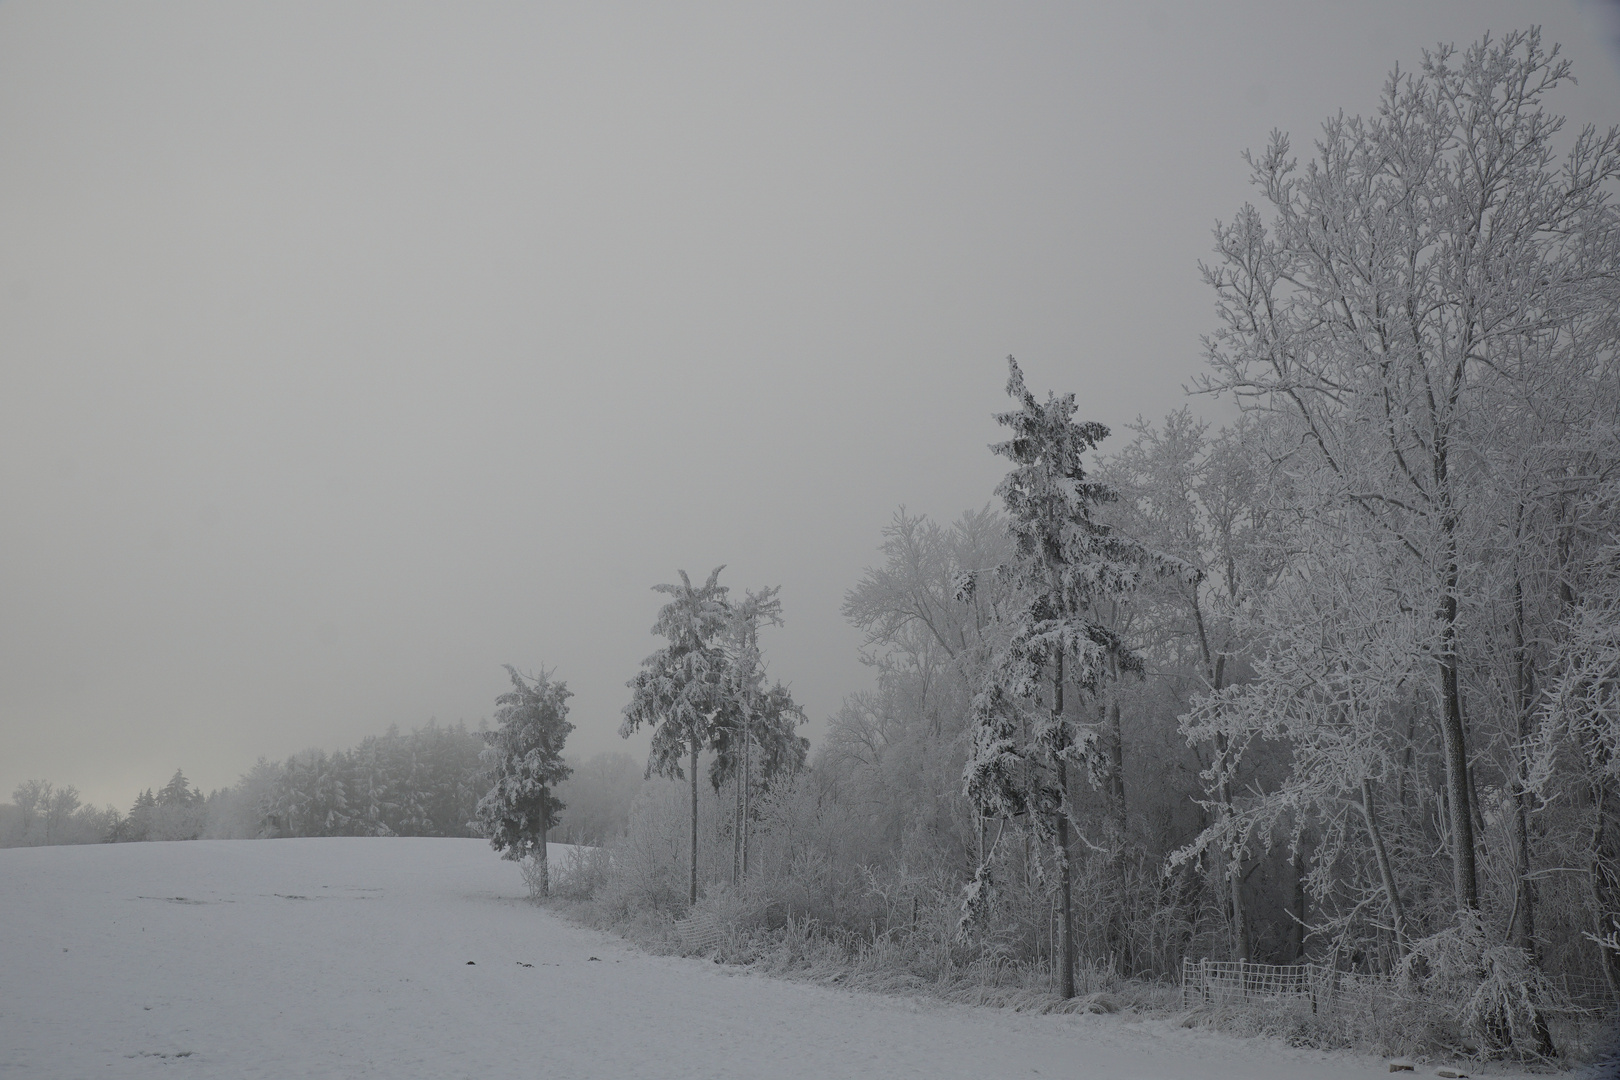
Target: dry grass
x,y
744,928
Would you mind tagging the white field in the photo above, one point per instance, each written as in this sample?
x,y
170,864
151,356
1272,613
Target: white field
x,y
349,958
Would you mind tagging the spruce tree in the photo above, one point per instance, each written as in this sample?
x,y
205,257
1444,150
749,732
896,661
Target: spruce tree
x,y
1067,564
524,758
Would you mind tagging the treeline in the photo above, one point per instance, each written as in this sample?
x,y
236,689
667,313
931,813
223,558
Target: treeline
x,y
426,782
1336,683
42,813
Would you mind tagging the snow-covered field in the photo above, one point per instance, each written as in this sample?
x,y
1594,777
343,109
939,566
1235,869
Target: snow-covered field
x,y
350,957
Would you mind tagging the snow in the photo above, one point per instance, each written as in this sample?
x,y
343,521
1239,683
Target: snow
x,y
348,957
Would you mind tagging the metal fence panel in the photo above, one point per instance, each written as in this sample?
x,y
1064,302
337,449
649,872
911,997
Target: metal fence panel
x,y
1210,982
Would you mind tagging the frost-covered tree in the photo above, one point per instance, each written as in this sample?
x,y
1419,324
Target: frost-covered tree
x,y
1068,567
1336,686
138,825
682,687
1577,757
891,760
1418,282
754,729
31,797
178,791
58,809
524,758
178,811
1207,502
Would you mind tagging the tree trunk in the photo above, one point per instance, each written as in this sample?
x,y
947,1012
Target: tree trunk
x,y
1296,934
545,863
1240,915
1234,872
1524,922
1386,871
1464,877
1523,928
692,892
1065,880
1215,670
748,743
1116,758
747,780
1066,983
1605,889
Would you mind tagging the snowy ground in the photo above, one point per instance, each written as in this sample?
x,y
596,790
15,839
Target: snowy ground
x,y
349,957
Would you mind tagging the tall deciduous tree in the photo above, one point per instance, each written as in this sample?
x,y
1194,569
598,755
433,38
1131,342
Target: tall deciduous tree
x,y
31,797
681,687
524,758
1579,733
1199,500
1417,281
1068,565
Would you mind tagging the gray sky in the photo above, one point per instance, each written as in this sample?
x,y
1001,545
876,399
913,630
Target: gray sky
x,y
350,351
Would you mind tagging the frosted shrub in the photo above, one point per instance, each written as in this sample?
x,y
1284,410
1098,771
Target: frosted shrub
x,y
581,872
649,865
535,877
1491,994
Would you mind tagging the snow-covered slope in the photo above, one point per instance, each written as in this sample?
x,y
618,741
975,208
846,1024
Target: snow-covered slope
x,y
349,957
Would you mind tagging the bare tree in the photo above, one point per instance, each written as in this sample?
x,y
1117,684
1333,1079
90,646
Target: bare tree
x,y
1428,264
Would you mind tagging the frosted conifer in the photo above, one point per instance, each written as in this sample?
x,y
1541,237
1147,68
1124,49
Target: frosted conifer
x,y
681,687
1066,564
524,758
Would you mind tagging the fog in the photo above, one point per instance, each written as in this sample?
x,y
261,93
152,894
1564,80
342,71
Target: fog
x,y
349,353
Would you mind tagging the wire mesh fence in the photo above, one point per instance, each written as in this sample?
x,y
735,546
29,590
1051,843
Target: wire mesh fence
x,y
1212,982
700,932
1227,982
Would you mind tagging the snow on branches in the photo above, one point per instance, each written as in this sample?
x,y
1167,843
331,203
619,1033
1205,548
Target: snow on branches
x,y
524,758
1068,566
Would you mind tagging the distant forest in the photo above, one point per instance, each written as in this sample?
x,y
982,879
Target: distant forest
x,y
424,783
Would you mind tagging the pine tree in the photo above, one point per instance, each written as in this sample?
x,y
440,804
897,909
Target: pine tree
x,y
754,730
1067,565
524,757
682,686
139,823
177,792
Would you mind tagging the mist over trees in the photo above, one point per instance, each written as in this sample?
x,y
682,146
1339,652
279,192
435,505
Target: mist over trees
x,y
1336,683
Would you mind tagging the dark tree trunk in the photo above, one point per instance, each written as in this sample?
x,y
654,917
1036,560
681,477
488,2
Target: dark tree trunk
x,y
748,745
1065,880
1067,981
747,779
1296,934
692,892
1215,669
1605,888
1116,758
1386,871
1524,902
1464,877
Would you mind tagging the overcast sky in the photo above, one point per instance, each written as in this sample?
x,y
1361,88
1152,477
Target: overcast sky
x,y
349,351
